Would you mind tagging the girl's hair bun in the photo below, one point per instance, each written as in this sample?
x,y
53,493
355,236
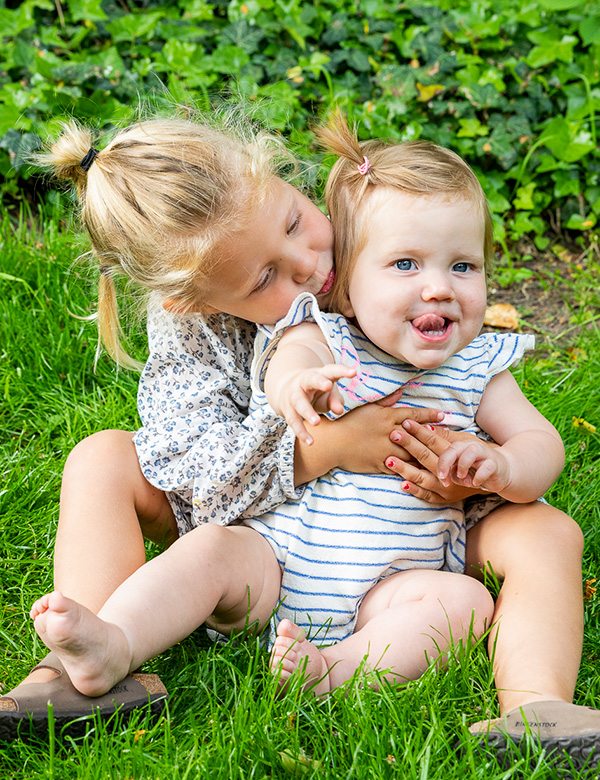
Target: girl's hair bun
x,y
67,152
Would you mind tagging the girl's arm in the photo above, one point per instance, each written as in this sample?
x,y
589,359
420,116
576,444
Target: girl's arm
x,y
363,441
530,456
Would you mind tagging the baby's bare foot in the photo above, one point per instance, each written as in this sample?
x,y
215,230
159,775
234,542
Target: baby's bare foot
x,y
95,654
292,652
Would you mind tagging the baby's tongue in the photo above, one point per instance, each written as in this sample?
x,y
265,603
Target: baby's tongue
x,y
428,323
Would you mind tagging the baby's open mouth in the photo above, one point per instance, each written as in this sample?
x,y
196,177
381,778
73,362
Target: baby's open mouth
x,y
431,324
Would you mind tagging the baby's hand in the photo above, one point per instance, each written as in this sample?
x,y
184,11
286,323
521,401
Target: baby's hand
x,y
474,464
310,391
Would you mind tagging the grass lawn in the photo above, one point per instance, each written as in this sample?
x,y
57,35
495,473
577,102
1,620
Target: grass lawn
x,y
224,720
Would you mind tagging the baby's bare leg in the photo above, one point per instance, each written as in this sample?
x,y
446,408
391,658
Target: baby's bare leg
x,y
405,622
227,576
536,550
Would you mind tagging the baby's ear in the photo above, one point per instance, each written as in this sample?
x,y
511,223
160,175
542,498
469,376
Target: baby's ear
x,y
346,307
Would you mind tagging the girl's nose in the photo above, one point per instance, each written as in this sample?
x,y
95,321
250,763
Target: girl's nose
x,y
303,265
437,287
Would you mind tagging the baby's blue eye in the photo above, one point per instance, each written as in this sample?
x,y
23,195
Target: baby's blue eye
x,y
461,268
404,265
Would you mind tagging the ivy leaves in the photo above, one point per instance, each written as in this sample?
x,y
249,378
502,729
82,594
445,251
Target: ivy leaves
x,y
514,87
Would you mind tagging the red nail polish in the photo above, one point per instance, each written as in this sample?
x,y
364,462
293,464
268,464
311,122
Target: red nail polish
x,y
390,462
405,486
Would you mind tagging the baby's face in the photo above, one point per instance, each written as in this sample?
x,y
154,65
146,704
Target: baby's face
x,y
418,287
285,248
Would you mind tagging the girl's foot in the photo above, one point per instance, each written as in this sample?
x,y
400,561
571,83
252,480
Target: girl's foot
x,y
95,654
292,652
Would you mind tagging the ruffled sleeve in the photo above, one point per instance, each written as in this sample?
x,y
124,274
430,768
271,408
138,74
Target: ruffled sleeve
x,y
506,350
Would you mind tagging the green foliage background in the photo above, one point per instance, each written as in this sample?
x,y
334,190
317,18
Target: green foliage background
x,y
512,86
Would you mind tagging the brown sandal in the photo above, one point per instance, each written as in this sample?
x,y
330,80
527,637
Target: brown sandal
x,y
558,726
24,710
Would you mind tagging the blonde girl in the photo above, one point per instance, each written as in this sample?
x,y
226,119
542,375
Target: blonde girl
x,y
168,203
107,502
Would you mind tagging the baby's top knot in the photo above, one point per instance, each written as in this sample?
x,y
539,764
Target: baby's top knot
x,y
364,166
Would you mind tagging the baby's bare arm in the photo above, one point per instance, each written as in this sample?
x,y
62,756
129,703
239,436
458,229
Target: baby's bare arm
x,y
530,456
300,379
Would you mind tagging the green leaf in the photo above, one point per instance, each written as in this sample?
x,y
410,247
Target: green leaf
x,y
589,30
228,59
471,128
545,55
300,764
565,184
560,5
541,242
497,202
577,222
524,197
86,9
566,140
109,60
133,26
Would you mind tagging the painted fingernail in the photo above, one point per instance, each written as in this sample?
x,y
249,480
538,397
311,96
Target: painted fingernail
x,y
405,486
431,427
396,437
390,463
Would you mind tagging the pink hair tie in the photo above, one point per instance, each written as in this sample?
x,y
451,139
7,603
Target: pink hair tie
x,y
364,167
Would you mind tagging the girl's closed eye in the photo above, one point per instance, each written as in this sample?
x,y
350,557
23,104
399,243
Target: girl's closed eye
x,y
264,282
295,224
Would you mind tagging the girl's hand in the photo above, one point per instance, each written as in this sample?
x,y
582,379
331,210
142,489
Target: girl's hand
x,y
474,464
426,443
309,392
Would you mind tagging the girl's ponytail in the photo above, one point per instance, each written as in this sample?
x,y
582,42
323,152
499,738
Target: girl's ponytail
x,y
66,154
109,325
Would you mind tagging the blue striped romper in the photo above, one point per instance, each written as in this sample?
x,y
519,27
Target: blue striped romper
x,y
348,531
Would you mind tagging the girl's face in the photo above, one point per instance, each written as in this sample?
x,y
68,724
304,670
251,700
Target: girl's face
x,y
284,249
418,289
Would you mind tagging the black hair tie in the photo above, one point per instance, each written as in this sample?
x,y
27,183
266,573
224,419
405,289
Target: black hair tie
x,y
87,161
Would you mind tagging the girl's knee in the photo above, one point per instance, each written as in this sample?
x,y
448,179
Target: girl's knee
x,y
543,529
100,452
523,536
562,531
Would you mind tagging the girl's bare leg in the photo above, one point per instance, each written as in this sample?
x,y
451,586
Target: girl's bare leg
x,y
538,624
228,577
404,623
106,508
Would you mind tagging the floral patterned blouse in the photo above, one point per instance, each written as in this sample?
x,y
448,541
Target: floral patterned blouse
x,y
193,400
